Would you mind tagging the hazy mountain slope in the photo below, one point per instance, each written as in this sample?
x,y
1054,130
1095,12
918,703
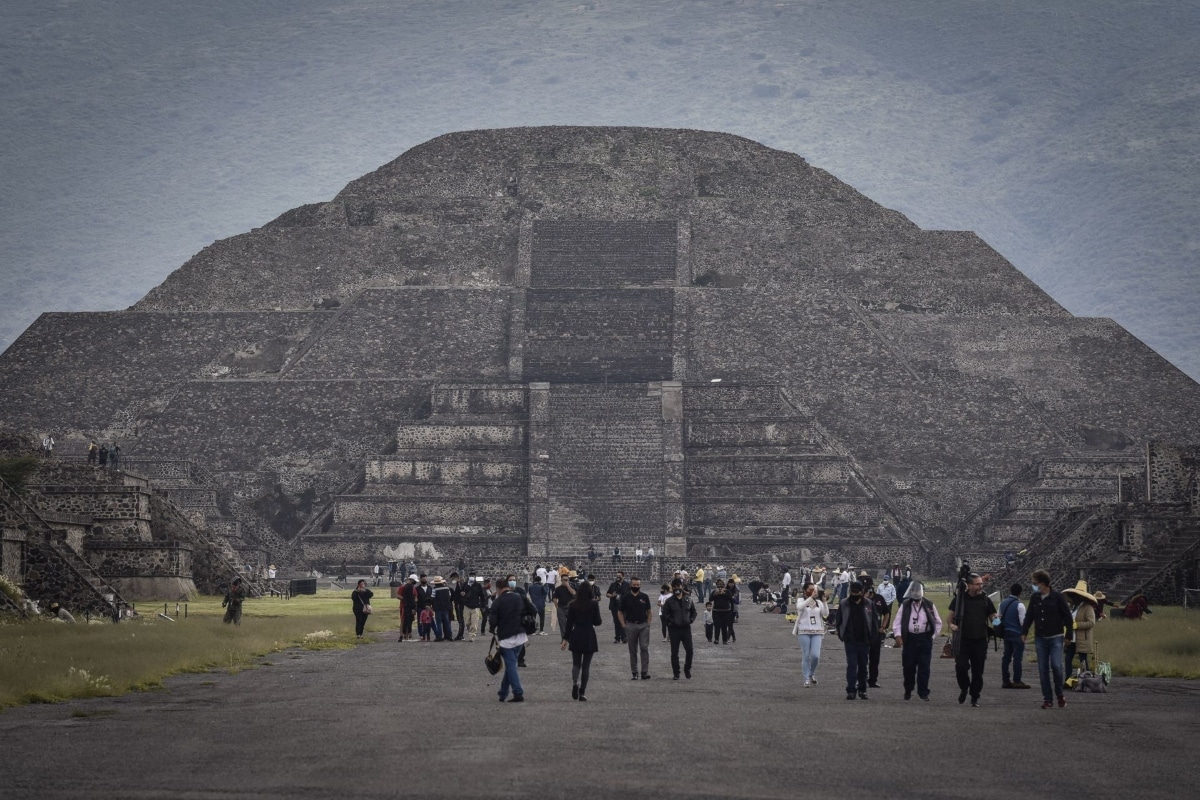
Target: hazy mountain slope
x,y
1063,133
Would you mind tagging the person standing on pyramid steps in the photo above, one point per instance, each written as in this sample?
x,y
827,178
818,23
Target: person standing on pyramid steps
x,y
579,635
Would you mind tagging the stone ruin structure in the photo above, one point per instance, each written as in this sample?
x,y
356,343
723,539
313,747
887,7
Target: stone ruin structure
x,y
518,346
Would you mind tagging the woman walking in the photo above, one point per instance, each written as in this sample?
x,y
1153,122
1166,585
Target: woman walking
x,y
583,615
722,611
811,613
361,598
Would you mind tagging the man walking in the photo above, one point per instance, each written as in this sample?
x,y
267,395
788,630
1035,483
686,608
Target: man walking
x,y
917,624
474,602
857,625
459,589
883,617
505,620
785,586
616,591
1012,617
680,613
537,596
1051,616
233,602
634,616
971,623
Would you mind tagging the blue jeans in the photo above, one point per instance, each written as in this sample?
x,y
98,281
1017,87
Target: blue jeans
x,y
1050,659
810,653
511,678
1014,653
856,666
441,625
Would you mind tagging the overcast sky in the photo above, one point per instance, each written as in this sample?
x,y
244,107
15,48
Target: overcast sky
x,y
1066,133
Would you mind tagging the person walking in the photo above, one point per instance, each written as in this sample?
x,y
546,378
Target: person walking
x,y
1050,616
579,635
407,595
785,586
562,598
809,630
722,605
857,624
916,626
971,622
475,604
680,613
1012,617
616,590
664,594
360,599
232,603
458,593
883,615
442,602
634,616
505,621
537,596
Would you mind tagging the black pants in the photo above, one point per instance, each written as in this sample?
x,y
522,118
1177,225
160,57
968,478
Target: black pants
x,y
723,626
618,628
915,655
968,665
873,658
580,665
663,620
360,621
458,616
680,634
541,618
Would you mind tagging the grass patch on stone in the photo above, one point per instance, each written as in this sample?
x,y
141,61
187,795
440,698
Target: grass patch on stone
x,y
46,662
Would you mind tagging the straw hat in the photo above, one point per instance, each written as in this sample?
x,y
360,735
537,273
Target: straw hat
x,y
438,580
1081,590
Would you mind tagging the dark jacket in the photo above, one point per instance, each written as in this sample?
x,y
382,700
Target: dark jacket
x,y
679,612
866,611
443,598
616,589
360,599
506,613
1051,614
580,631
475,595
424,596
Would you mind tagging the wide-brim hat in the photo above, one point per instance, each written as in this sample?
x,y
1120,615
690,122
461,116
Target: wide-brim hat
x,y
1081,590
438,579
572,574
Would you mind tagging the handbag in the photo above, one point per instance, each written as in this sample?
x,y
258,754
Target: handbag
x,y
367,608
493,661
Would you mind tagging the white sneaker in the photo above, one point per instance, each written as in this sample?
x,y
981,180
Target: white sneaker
x,y
806,683
814,680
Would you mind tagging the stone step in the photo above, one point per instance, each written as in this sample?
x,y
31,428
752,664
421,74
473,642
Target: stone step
x,y
433,436
792,511
449,491
1090,467
779,432
355,509
759,491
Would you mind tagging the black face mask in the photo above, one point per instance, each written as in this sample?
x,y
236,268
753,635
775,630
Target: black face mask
x,y
635,589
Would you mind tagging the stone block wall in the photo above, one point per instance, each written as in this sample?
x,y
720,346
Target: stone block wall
x,y
586,253
96,502
420,333
598,335
12,553
140,559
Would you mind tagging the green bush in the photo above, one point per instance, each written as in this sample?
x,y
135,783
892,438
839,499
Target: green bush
x,y
15,470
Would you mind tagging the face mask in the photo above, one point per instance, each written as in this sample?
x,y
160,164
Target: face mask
x,y
1034,589
635,589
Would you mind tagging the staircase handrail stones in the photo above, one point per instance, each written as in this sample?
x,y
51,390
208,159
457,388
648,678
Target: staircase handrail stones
x,y
965,528
83,572
1047,542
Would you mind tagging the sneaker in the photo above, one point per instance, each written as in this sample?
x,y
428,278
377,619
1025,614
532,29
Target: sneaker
x,y
962,697
975,703
645,676
582,698
862,695
925,697
1047,704
575,691
676,677
634,678
806,684
1062,701
687,673
873,685
907,695
1006,685
814,680
850,695
1020,685
519,698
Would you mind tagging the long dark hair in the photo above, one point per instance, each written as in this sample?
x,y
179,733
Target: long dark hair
x,y
583,599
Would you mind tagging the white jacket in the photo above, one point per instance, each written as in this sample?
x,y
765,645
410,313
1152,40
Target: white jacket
x,y
811,614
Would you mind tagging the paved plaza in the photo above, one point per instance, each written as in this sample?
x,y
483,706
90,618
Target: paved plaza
x,y
396,719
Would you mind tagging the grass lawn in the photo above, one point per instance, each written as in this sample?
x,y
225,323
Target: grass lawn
x,y
44,661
